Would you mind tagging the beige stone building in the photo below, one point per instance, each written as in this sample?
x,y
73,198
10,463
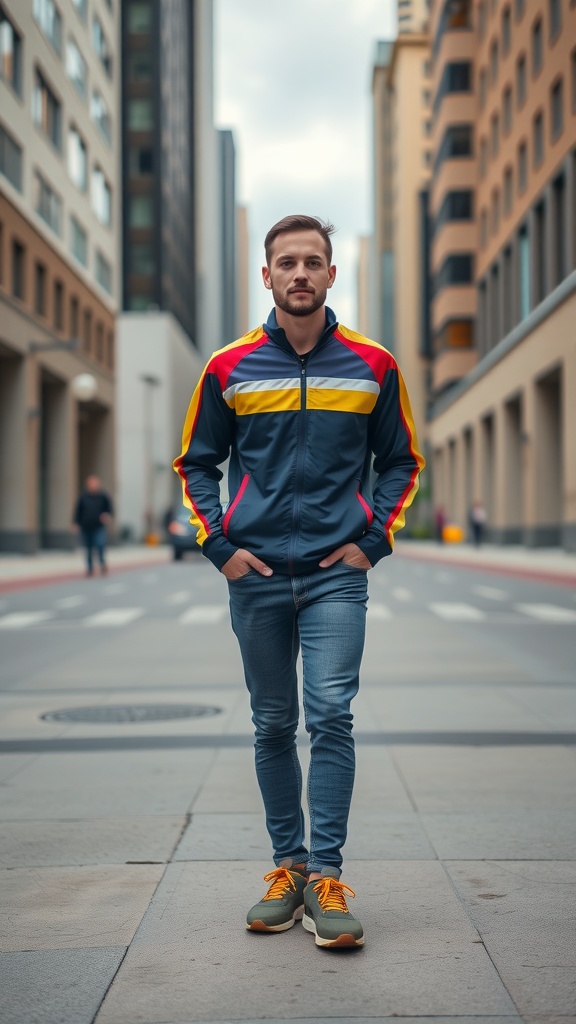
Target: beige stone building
x,y
59,231
502,425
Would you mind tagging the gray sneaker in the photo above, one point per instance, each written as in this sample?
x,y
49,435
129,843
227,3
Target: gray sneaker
x,y
283,904
326,914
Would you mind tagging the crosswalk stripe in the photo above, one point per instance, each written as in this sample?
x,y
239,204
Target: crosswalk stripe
x,y
74,601
180,597
114,588
492,593
456,612
378,611
19,620
113,617
207,614
402,594
548,612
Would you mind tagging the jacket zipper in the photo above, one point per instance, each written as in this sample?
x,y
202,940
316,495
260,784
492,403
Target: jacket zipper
x,y
300,461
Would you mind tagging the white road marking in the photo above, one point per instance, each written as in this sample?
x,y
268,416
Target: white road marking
x,y
74,601
548,612
378,611
19,620
114,588
180,597
114,617
492,593
207,614
402,594
457,612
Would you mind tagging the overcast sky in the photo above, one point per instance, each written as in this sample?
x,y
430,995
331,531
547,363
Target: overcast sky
x,y
293,82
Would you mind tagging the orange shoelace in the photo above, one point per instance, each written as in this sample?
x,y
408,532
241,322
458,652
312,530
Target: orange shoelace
x,y
281,881
331,894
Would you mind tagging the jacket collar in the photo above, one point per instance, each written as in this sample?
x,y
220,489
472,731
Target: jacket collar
x,y
278,335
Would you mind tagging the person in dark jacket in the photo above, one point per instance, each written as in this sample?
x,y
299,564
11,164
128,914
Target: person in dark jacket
x,y
92,514
324,462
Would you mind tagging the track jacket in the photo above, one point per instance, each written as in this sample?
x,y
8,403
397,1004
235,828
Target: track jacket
x,y
300,432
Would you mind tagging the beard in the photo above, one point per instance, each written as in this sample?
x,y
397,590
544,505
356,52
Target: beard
x,y
300,306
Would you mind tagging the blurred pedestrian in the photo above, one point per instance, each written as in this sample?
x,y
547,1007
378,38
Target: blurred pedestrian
x,y
477,522
302,404
92,514
439,524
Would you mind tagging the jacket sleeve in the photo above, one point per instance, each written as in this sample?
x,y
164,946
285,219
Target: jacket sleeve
x,y
397,465
77,518
206,441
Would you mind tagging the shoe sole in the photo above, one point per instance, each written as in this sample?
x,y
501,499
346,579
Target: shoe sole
x,y
343,941
259,926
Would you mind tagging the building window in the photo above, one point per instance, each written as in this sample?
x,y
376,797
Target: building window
x,y
519,9
18,270
456,77
507,312
142,260
483,157
495,211
524,300
10,159
539,251
101,46
140,161
456,205
507,110
10,54
101,196
59,305
559,227
426,97
555,12
140,115
493,61
538,139
47,203
46,110
522,167
537,47
141,212
456,144
87,331
521,81
139,17
456,270
482,88
81,8
508,190
495,135
454,334
100,115
74,317
40,289
482,19
76,68
573,66
100,342
78,242
556,109
140,66
77,160
140,303
484,229
49,19
506,30
103,272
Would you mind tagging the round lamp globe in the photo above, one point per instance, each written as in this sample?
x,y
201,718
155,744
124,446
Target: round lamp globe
x,y
84,387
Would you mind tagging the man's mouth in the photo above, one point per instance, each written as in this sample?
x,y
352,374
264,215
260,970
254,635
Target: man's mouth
x,y
300,291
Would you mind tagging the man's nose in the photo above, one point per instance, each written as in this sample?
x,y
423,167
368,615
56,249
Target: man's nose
x,y
301,272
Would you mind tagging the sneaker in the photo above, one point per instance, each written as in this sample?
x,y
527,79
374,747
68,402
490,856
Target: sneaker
x,y
283,904
327,916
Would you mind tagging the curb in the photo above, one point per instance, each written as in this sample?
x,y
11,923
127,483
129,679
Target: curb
x,y
31,582
543,575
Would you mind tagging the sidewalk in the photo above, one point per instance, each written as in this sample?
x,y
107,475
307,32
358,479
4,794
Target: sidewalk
x,y
552,565
18,572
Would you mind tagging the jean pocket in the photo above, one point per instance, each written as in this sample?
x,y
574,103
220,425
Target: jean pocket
x,y
251,572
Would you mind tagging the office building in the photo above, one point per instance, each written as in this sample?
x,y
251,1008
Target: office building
x,y
59,265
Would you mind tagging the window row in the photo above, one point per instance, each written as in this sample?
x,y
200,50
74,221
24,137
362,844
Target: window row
x,y
47,299
500,46
47,111
456,269
456,78
490,148
49,19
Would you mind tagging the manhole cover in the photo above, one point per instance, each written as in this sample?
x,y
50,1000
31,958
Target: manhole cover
x,y
131,713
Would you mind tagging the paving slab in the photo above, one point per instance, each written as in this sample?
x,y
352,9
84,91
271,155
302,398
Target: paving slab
x,y
55,986
373,1020
488,778
11,764
74,907
88,841
553,704
108,784
525,913
536,834
192,958
447,707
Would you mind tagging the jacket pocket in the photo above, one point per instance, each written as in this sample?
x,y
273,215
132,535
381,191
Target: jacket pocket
x,y
234,504
367,510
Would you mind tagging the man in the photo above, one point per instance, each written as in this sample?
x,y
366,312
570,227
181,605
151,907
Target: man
x,y
93,512
301,404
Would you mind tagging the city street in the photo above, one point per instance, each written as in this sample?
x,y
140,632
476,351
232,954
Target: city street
x,y
132,840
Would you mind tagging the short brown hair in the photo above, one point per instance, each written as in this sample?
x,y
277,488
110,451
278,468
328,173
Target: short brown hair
x,y
300,222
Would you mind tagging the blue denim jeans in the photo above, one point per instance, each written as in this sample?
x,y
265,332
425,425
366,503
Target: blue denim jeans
x,y
94,539
323,615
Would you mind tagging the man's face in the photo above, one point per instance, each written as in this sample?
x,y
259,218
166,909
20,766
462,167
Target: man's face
x,y
93,484
299,273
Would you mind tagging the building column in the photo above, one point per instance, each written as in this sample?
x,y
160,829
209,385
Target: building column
x,y
60,469
570,226
498,515
569,468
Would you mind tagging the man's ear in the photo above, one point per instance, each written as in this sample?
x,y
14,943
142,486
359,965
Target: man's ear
x,y
331,275
266,277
